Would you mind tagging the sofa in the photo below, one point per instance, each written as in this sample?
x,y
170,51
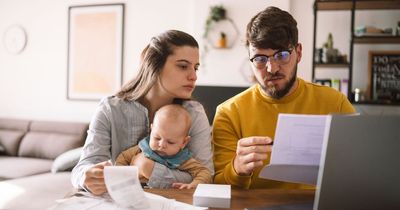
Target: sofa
x,y
36,158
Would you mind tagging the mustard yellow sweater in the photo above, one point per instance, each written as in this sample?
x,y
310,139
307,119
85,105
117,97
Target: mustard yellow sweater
x,y
251,113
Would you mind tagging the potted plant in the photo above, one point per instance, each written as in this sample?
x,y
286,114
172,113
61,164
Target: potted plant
x,y
222,40
217,13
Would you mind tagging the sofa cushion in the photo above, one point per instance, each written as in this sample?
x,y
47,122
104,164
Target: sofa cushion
x,y
11,133
2,150
74,128
34,192
47,139
67,160
16,167
14,124
10,141
47,145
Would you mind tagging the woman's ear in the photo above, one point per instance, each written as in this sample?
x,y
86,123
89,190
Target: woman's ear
x,y
185,141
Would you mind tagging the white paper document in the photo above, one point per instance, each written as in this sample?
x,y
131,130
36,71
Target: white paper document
x,y
124,193
296,152
124,187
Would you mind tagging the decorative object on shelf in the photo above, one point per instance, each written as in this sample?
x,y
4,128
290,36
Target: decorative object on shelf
x,y
325,82
217,13
353,7
95,44
222,40
220,31
358,95
329,54
15,39
384,71
361,31
398,29
338,84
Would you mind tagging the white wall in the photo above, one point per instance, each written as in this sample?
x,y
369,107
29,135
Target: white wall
x,y
302,11
224,67
33,84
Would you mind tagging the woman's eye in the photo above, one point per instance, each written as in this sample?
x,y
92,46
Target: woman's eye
x,y
183,66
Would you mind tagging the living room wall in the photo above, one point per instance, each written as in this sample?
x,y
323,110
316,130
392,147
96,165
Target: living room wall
x,y
33,83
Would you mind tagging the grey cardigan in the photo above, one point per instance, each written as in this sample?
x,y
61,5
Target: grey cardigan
x,y
118,125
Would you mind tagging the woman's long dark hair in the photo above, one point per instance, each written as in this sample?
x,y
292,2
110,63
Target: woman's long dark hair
x,y
153,59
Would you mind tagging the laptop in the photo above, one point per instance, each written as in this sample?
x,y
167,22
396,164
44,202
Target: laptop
x,y
360,165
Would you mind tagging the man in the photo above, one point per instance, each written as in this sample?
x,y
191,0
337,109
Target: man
x,y
244,126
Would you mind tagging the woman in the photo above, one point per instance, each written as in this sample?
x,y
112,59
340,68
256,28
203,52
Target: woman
x,y
167,75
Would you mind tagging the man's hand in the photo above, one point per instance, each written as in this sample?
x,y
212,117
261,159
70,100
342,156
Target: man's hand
x,y
144,164
94,178
250,153
178,185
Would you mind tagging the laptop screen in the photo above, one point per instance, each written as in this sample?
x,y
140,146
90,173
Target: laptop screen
x,y
360,164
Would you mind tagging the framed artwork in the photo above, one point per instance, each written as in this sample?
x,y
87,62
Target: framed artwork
x,y
95,51
384,72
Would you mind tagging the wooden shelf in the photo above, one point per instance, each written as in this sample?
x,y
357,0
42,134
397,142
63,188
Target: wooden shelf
x,y
360,5
377,40
353,6
376,103
332,65
333,5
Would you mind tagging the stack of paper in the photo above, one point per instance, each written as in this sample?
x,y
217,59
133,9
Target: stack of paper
x,y
212,195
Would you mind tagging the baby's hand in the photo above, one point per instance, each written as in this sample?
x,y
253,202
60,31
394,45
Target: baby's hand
x,y
181,186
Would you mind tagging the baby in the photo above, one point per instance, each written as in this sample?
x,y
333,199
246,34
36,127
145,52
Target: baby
x,y
166,145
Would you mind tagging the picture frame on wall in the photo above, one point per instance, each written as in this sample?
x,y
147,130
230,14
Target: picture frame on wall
x,y
95,51
384,74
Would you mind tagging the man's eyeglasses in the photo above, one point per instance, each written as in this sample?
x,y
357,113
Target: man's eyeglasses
x,y
280,57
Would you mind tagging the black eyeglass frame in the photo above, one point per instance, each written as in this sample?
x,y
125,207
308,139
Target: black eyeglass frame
x,y
289,50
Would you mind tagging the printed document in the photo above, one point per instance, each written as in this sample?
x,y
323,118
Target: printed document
x,y
124,187
124,193
296,152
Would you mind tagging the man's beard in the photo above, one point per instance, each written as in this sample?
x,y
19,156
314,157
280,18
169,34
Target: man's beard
x,y
275,93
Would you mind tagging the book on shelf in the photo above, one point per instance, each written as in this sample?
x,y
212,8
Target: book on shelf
x,y
338,84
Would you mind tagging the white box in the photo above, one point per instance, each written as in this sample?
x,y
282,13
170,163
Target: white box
x,y
212,195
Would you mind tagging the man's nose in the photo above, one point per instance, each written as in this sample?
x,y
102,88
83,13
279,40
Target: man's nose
x,y
272,66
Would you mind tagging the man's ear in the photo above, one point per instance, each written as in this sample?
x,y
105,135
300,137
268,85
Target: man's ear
x,y
185,141
299,52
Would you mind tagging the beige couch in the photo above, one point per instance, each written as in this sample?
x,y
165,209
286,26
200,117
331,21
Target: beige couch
x,y
35,161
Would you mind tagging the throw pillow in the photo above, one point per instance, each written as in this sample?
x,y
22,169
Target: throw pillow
x,y
2,150
67,160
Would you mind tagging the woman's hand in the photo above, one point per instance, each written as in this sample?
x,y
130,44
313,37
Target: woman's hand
x,y
94,178
250,154
144,164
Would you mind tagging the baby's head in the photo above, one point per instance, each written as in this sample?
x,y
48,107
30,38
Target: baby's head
x,y
170,129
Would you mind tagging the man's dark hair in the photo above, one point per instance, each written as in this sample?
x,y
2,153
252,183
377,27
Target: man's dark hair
x,y
272,28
